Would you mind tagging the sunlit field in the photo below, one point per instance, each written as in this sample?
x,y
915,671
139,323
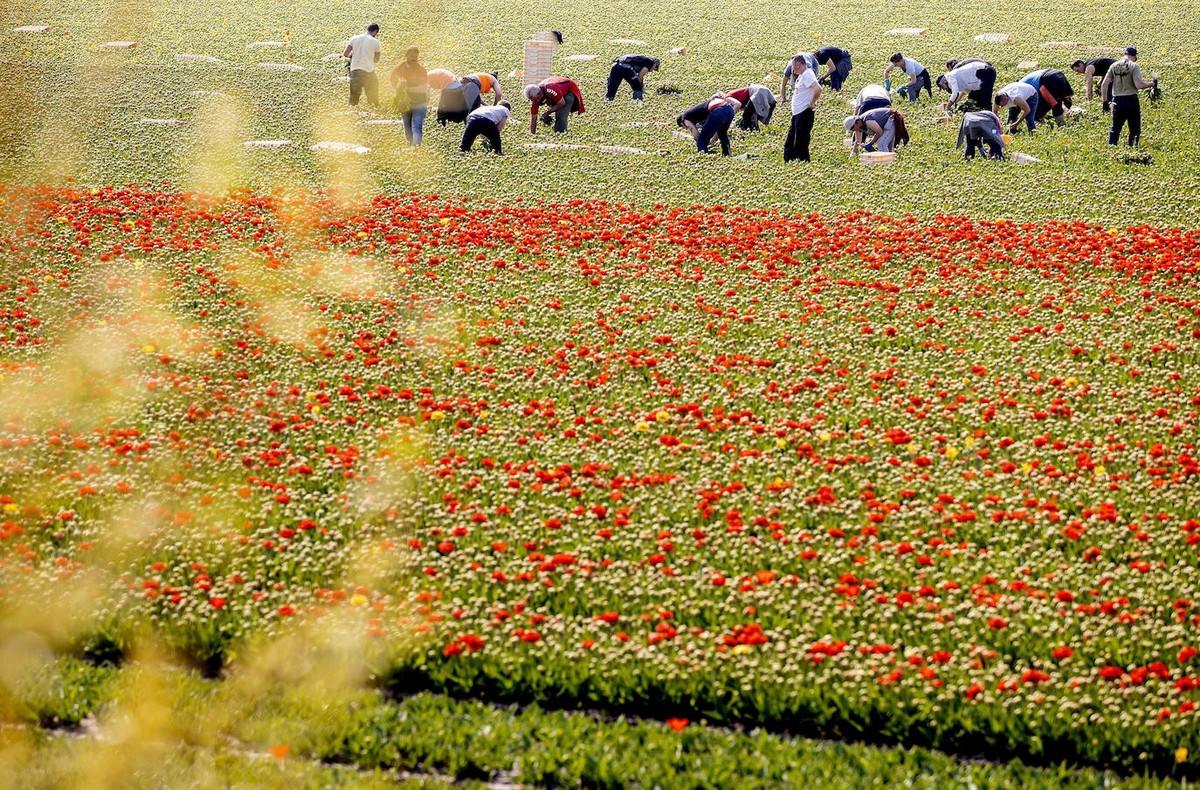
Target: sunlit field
x,y
613,466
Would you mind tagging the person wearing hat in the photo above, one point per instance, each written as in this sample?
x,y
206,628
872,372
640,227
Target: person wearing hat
x,y
487,121
975,78
838,63
560,96
884,124
632,69
789,79
1021,99
871,97
804,101
980,128
1093,70
721,111
918,76
1124,78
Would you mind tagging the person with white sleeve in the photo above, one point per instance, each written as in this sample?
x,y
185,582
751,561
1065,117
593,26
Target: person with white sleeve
x,y
363,51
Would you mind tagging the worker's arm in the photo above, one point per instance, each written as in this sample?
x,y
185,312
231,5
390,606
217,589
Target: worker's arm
x,y
1024,105
875,129
533,119
348,51
691,127
1143,85
1089,76
888,70
1105,83
496,93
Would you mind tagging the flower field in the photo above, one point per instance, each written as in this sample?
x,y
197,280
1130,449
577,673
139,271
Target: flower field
x,y
505,469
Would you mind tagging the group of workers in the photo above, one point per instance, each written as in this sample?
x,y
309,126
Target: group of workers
x,y
874,126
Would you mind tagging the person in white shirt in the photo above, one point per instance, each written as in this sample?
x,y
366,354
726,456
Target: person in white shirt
x,y
363,51
804,99
975,78
789,79
918,76
871,97
487,121
1021,99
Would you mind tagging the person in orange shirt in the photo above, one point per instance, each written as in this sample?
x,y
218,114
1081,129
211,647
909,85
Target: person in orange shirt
x,y
479,83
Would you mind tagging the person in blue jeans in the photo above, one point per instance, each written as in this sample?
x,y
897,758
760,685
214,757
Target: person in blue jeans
x,y
1021,99
918,76
411,83
632,69
721,112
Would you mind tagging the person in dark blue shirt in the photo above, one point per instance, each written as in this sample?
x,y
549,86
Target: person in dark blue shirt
x,y
837,61
632,69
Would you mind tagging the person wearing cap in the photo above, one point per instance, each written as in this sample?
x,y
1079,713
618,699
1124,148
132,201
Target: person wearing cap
x,y
804,101
789,79
1093,70
974,78
1021,99
838,63
721,110
410,81
1054,93
478,83
871,97
918,76
363,52
632,69
560,96
487,121
978,129
885,125
1124,79
693,118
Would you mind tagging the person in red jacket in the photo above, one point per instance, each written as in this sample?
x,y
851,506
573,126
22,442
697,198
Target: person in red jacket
x,y
555,96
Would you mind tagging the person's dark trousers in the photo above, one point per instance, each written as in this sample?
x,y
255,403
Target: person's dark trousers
x,y
623,73
481,126
716,125
840,72
561,116
982,96
795,147
1126,109
923,81
361,82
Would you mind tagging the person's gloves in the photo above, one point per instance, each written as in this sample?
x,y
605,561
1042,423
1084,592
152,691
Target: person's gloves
x,y
887,85
868,148
1106,107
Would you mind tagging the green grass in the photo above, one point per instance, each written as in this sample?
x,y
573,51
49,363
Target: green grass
x,y
72,110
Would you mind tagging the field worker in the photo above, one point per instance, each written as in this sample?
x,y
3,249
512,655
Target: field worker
x,y
952,64
1054,93
363,51
871,97
693,118
759,109
980,128
487,121
632,69
560,96
837,61
918,76
1124,78
721,110
1093,70
974,79
804,102
1021,99
789,79
440,79
885,125
479,83
410,81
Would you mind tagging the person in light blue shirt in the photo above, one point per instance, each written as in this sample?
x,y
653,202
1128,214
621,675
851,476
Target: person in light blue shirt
x,y
918,76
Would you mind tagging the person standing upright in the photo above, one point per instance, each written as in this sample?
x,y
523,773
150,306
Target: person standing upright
x,y
411,83
363,51
1125,80
804,101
